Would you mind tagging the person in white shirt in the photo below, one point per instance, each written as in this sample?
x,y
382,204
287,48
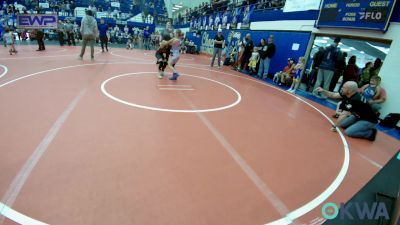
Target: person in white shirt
x,y
175,44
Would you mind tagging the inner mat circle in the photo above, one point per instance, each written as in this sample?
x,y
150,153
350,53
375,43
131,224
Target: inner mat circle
x,y
190,94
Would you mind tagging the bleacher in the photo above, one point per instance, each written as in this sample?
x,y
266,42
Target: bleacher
x,y
205,9
66,7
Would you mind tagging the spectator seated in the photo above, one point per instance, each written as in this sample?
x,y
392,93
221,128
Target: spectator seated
x,y
285,77
374,94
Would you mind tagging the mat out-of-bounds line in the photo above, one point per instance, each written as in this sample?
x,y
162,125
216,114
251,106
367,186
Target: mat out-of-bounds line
x,y
43,56
144,60
17,217
36,57
247,169
26,170
372,162
6,211
64,67
22,50
288,218
186,58
297,212
4,72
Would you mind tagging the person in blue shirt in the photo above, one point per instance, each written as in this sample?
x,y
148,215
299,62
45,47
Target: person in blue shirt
x,y
146,36
103,35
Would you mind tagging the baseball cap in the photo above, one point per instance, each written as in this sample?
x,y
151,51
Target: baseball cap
x,y
219,30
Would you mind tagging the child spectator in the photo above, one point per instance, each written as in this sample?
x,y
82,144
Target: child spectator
x,y
298,68
255,57
129,44
282,77
238,62
374,94
10,40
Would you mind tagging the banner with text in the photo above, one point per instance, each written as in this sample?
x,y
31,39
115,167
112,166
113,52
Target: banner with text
x,y
301,5
44,5
115,4
37,21
100,15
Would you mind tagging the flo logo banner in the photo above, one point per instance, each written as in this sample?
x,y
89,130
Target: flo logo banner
x,y
37,21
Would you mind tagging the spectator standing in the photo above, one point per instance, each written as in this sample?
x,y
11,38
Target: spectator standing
x,y
89,33
340,66
61,34
69,29
262,50
365,74
376,68
270,52
254,59
146,37
248,49
350,73
317,59
219,41
40,40
327,67
103,28
10,40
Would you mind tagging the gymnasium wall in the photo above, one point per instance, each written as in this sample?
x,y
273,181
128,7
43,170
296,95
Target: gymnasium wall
x,y
288,44
288,29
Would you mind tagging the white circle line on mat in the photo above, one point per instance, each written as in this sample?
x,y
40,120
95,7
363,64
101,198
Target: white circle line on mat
x,y
5,70
105,92
18,217
287,219
304,209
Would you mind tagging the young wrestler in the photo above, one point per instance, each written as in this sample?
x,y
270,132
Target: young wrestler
x,y
175,44
162,55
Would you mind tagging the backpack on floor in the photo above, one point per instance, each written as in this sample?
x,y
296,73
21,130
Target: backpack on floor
x,y
390,120
227,62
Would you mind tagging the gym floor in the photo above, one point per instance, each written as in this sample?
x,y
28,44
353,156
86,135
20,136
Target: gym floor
x,y
107,142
